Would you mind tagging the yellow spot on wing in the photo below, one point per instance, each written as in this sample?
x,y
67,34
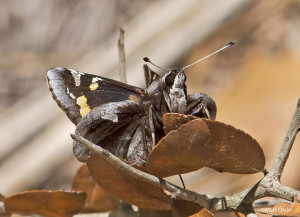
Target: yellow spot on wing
x,y
93,86
134,98
84,108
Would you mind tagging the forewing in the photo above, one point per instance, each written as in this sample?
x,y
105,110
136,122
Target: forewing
x,y
78,93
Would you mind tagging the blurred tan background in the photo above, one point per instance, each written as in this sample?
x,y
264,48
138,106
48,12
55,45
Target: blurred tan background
x,y
255,84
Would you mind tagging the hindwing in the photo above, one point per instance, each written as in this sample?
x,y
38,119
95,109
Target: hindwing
x,y
150,75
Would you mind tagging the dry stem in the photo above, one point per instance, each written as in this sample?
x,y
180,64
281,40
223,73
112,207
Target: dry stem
x,y
122,60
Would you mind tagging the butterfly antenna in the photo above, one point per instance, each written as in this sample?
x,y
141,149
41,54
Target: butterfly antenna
x,y
182,182
146,59
226,46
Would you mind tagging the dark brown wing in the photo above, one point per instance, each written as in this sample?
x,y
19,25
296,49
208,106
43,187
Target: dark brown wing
x,y
118,128
78,93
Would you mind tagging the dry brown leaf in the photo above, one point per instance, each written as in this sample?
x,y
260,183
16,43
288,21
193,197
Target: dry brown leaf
x,y
232,150
97,199
239,214
173,121
180,151
281,209
152,213
45,203
296,209
180,208
203,213
125,187
184,208
3,213
192,144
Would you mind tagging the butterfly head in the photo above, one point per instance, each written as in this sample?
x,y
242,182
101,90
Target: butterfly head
x,y
174,77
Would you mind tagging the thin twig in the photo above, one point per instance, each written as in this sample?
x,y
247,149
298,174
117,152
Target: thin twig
x,y
287,145
122,60
202,200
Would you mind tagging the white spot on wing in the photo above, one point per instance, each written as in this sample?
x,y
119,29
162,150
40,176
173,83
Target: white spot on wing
x,y
76,76
76,72
110,110
72,96
95,79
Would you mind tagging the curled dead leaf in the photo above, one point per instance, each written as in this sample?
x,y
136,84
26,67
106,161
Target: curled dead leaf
x,y
173,121
193,143
45,203
97,199
180,151
125,187
232,150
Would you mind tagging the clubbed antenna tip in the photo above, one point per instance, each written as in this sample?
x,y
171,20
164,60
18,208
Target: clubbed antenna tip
x,y
146,59
231,43
226,46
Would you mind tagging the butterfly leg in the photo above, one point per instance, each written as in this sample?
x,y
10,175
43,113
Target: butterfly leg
x,y
135,153
144,140
207,113
139,160
199,107
151,124
145,149
171,109
193,105
168,100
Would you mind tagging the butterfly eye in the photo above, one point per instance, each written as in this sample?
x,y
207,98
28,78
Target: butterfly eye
x,y
169,78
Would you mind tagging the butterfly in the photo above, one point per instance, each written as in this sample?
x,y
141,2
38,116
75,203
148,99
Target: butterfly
x,y
124,119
